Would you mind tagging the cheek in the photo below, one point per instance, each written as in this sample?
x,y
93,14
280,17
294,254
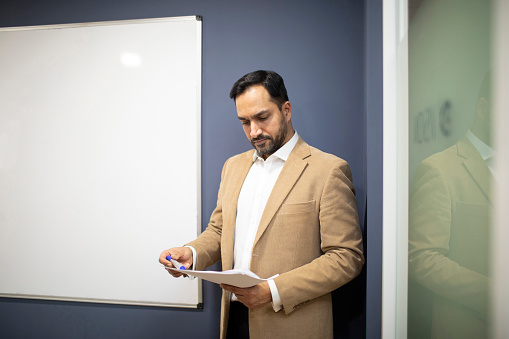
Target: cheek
x,y
247,131
272,129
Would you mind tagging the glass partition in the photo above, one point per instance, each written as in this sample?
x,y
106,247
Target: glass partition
x,y
450,168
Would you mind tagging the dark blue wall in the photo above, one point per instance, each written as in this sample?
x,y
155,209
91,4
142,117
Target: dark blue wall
x,y
322,49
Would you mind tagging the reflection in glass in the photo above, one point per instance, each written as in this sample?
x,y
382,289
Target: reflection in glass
x,y
451,169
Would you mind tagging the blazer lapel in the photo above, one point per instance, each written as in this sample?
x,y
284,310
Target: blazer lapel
x,y
238,175
289,175
475,166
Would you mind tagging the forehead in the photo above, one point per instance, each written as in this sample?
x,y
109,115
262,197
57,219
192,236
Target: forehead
x,y
254,100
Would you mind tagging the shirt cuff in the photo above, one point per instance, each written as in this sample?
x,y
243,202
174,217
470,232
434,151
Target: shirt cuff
x,y
194,262
276,299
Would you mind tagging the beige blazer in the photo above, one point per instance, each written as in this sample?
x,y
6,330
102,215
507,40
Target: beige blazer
x,y
449,239
309,234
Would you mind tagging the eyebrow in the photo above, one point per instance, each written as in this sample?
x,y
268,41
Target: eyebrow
x,y
257,115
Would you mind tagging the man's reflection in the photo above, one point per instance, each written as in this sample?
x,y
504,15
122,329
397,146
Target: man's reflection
x,y
449,230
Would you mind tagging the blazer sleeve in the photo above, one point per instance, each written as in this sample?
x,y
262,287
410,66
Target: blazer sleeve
x,y
208,244
341,245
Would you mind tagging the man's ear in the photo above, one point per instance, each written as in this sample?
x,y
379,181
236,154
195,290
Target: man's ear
x,y
286,109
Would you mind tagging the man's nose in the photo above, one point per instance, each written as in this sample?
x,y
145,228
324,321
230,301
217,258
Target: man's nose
x,y
255,130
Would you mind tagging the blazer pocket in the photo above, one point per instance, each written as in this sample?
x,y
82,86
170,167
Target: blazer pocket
x,y
301,207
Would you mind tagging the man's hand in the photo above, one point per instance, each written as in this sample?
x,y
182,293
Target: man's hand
x,y
183,255
251,297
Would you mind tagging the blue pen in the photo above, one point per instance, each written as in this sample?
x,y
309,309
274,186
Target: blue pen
x,y
175,263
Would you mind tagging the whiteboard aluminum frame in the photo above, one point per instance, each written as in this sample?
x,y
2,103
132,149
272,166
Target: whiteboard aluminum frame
x,y
106,23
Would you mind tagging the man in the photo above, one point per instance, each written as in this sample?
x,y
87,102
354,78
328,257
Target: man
x,y
285,211
449,232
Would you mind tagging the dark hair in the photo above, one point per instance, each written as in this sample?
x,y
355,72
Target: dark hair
x,y
272,82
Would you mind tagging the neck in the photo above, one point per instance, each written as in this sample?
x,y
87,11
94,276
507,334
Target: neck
x,y
478,132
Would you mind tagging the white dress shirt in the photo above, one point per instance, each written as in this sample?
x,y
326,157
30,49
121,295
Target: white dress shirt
x,y
252,200
487,153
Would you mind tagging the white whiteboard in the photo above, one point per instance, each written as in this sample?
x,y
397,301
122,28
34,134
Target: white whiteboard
x,y
99,159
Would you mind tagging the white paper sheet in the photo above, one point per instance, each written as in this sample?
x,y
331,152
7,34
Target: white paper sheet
x,y
236,278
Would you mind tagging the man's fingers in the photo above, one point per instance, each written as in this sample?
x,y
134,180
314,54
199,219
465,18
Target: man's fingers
x,y
251,297
162,258
229,288
237,290
173,273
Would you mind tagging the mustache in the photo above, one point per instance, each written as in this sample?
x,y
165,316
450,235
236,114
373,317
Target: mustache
x,y
261,137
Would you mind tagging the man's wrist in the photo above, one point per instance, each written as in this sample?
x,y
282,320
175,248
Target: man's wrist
x,y
277,304
194,261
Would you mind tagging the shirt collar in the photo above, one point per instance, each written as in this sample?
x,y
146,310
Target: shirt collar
x,y
484,150
283,152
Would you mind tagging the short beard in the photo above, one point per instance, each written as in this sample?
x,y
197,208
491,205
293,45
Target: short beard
x,y
272,144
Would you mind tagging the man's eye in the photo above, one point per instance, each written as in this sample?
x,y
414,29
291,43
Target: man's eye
x,y
263,118
244,122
